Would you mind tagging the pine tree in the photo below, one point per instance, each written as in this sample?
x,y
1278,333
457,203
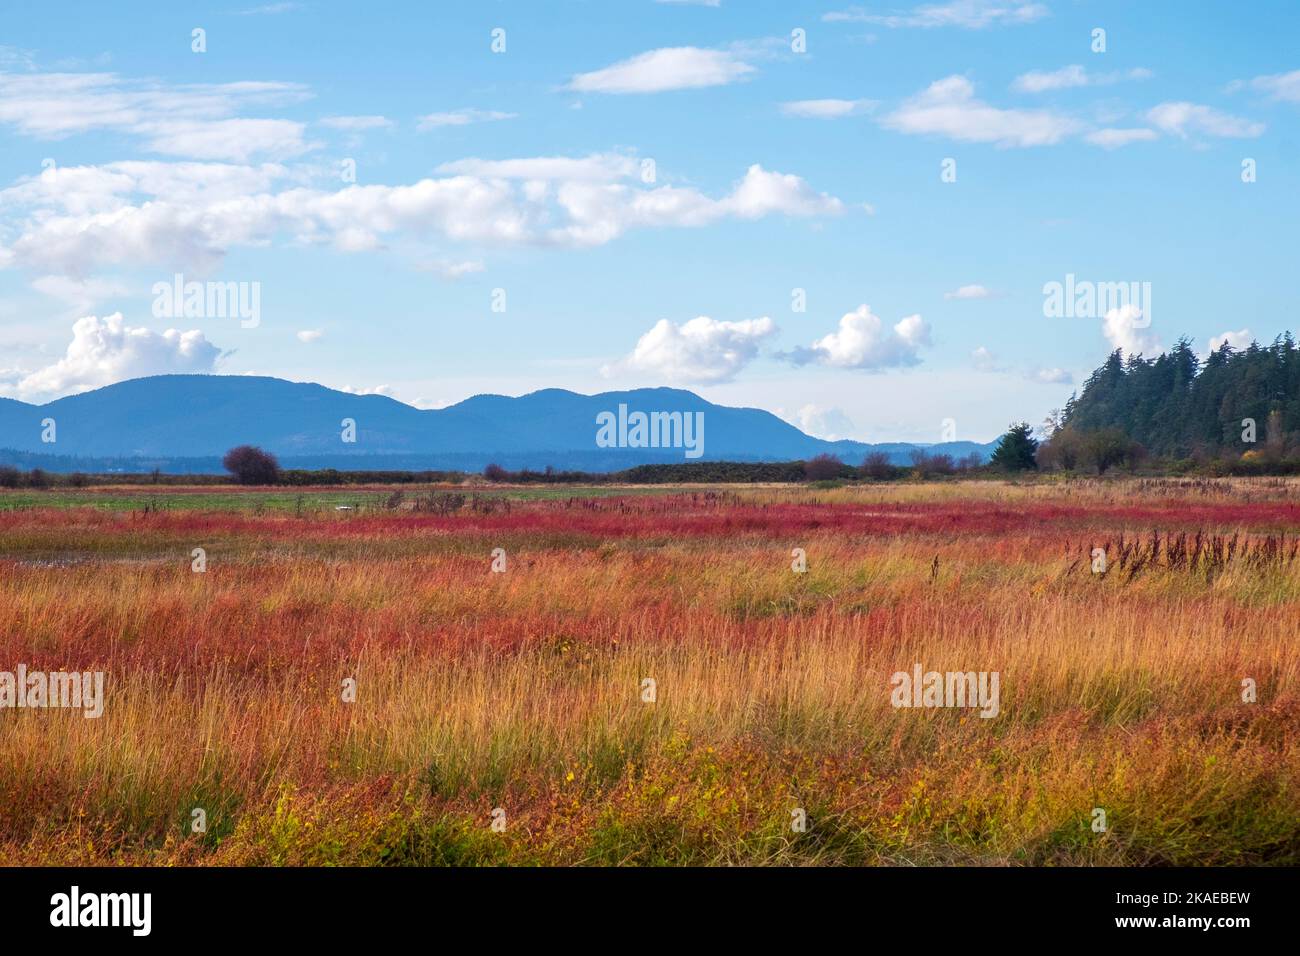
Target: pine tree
x,y
1017,450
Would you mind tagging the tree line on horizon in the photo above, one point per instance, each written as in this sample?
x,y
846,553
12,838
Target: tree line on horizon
x,y
1237,411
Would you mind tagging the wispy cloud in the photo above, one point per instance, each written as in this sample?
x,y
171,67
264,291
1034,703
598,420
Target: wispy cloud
x,y
969,292
356,124
1113,138
1072,77
669,68
462,117
827,109
1187,119
968,14
1283,87
198,120
271,9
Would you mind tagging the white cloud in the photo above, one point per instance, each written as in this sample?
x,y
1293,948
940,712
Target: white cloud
x,y
1114,138
970,14
307,336
1184,119
969,292
451,269
1236,340
107,350
462,117
830,423
232,139
604,167
985,361
826,109
1069,77
948,107
762,192
189,215
669,68
196,120
700,351
1052,376
1284,87
1120,326
356,123
863,341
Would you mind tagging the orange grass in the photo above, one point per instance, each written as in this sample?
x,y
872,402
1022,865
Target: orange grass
x,y
522,690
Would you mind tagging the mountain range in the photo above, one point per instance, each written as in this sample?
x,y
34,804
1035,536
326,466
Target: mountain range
x,y
184,423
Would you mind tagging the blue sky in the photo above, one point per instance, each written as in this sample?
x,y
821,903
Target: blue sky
x,y
647,183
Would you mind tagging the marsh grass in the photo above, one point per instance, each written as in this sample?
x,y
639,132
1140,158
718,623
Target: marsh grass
x,y
522,691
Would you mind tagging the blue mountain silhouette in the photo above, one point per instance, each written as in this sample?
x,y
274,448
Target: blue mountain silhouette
x,y
166,418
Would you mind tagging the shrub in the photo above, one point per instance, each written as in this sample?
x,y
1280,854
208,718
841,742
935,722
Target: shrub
x,y
823,468
252,466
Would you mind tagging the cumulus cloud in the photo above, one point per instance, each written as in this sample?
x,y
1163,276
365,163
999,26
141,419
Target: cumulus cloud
x,y
864,341
826,109
138,214
969,292
969,14
669,68
384,390
107,350
1235,340
1186,119
462,117
948,107
1123,329
307,336
701,351
1073,76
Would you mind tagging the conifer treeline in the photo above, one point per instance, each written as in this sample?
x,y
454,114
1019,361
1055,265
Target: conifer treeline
x,y
1175,406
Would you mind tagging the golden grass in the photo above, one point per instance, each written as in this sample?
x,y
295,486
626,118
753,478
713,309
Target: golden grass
x,y
523,691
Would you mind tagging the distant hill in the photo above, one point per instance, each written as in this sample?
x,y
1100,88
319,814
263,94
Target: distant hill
x,y
186,422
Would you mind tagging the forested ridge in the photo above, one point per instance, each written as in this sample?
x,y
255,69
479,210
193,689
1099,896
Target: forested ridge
x,y
1177,406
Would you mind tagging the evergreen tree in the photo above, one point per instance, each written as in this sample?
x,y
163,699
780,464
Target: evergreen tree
x,y
1017,450
1175,405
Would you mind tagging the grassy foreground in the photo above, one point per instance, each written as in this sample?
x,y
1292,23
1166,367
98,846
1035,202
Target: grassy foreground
x,y
521,697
